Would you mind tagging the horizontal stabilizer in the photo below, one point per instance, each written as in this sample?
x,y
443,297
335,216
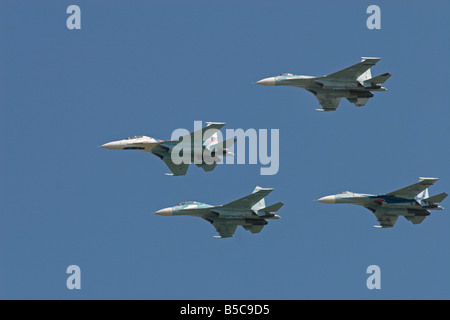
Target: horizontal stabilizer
x,y
437,198
273,208
379,79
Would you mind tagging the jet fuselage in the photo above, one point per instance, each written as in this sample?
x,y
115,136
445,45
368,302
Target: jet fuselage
x,y
341,88
147,144
191,208
378,200
139,143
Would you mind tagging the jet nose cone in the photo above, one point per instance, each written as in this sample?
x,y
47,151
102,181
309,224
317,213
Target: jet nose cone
x,y
267,81
165,212
328,199
115,145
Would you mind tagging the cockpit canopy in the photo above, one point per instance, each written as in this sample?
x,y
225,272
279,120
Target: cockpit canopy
x,y
346,192
134,137
286,74
187,202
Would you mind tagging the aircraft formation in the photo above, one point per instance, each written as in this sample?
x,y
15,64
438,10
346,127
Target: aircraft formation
x,y
354,83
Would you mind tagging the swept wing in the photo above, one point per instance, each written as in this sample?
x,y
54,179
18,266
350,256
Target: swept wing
x,y
249,201
204,134
410,192
176,169
329,103
385,219
353,72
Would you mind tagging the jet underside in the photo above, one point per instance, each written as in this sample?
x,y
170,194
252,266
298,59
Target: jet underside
x,y
338,89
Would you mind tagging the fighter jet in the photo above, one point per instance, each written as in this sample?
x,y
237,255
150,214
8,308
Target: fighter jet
x,y
250,212
165,149
354,83
412,202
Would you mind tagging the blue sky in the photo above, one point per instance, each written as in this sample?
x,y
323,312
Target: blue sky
x,y
149,67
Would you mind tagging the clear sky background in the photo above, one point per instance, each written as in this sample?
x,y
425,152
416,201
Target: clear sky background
x,y
149,67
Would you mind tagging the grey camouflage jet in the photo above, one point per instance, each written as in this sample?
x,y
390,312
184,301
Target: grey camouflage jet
x,y
354,83
250,212
206,155
413,202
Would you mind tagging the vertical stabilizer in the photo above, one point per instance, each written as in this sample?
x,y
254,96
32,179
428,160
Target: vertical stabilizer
x,y
261,203
365,76
211,140
424,194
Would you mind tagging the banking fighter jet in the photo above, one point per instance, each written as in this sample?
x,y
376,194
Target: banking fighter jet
x,y
250,212
412,202
354,83
205,154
